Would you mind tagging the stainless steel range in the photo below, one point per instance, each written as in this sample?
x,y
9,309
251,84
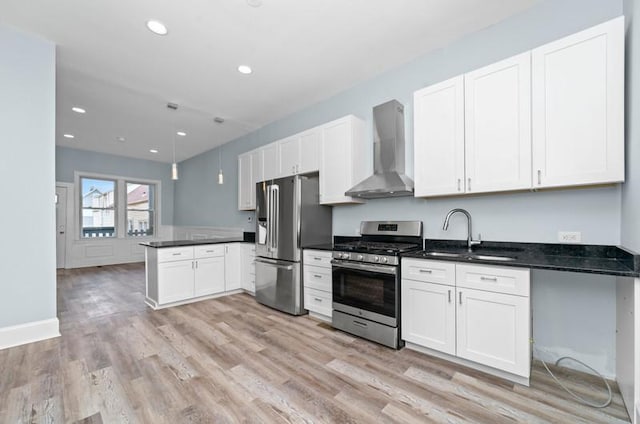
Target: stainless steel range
x,y
366,280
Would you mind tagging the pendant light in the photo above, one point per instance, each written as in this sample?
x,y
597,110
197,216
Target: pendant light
x,y
174,165
220,174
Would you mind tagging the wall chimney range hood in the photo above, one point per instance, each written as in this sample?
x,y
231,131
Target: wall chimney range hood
x,y
388,179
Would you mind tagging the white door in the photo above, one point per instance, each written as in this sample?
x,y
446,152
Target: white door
x,y
429,315
245,182
288,156
494,329
309,151
61,226
270,161
209,276
498,126
232,264
439,138
175,281
578,108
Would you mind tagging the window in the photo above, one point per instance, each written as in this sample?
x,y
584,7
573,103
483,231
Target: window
x,y
140,209
98,207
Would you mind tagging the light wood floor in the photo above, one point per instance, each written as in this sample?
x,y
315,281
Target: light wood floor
x,y
232,360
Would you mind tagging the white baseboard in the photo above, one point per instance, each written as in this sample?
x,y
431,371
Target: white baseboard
x,y
30,332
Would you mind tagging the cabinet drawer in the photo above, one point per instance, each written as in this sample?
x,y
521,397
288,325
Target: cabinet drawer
x,y
321,258
429,271
175,254
494,279
317,278
209,250
317,301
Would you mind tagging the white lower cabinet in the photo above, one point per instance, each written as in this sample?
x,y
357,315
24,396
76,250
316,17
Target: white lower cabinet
x,y
248,267
209,276
175,281
489,324
316,279
189,273
429,315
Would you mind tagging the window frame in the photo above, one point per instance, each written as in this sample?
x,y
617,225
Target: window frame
x,y
153,210
81,208
120,204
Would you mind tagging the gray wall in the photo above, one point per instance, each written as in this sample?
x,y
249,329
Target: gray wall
x,y
562,325
70,160
27,119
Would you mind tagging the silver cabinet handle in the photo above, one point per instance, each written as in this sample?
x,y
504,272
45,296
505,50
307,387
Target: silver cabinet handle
x,y
315,258
449,296
317,299
196,264
192,265
426,271
317,276
483,278
539,177
460,296
469,184
459,184
176,254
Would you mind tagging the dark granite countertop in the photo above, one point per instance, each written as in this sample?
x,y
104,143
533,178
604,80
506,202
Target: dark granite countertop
x,y
593,259
246,238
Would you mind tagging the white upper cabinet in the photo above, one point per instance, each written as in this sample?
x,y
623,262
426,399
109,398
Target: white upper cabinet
x,y
343,159
309,151
288,156
578,108
439,138
245,182
498,126
270,165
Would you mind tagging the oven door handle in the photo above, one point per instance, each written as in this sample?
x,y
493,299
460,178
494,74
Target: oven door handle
x,y
384,269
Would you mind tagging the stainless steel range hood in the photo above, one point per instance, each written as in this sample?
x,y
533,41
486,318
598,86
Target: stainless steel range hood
x,y
388,179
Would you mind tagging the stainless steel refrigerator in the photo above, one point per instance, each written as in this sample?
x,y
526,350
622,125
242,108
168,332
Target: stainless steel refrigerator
x,y
288,217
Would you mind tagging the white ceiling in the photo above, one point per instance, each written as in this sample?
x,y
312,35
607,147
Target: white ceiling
x,y
301,52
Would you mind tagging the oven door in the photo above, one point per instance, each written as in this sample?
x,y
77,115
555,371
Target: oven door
x,y
366,290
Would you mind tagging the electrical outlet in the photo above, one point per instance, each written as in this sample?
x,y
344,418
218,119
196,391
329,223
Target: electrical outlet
x,y
569,236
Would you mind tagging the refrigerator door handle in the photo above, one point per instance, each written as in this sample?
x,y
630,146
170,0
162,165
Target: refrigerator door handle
x,y
276,216
274,263
268,244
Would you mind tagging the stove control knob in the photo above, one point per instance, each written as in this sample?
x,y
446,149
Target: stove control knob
x,y
360,257
376,259
385,260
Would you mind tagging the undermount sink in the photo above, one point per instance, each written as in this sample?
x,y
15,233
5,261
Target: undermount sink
x,y
444,254
491,258
469,256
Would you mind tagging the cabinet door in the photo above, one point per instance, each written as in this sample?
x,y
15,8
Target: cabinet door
x,y
336,161
232,264
309,151
209,276
494,330
175,281
288,156
498,126
248,267
429,315
257,174
439,138
245,182
578,108
270,161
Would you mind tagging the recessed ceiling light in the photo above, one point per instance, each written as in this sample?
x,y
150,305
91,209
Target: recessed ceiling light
x,y
245,69
153,151
157,27
254,3
78,109
69,136
121,139
181,133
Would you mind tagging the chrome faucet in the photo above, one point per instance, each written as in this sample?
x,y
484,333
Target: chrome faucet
x,y
470,241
